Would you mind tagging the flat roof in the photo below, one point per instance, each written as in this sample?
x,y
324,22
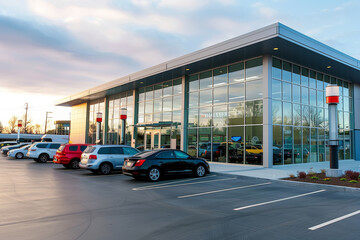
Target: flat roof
x,y
292,46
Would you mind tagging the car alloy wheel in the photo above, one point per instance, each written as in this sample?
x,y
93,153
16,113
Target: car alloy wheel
x,y
19,155
105,169
154,174
74,164
43,158
200,171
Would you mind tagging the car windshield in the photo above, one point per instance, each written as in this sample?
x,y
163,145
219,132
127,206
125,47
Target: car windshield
x,y
89,149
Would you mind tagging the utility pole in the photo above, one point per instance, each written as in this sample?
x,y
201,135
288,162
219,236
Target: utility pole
x,y
26,110
46,120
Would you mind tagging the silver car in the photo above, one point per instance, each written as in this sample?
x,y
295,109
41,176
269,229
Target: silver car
x,y
18,153
105,158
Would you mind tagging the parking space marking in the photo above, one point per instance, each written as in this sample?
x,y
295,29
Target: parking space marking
x,y
223,190
171,182
279,200
182,184
334,220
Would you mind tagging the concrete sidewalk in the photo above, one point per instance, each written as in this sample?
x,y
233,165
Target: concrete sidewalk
x,y
278,172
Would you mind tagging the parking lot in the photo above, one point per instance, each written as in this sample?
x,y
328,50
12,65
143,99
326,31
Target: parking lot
x,y
47,201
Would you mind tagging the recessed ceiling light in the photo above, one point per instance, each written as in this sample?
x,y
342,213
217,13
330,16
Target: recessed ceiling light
x,y
141,82
187,69
328,67
275,48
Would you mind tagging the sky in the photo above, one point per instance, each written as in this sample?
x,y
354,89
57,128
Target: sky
x,y
52,49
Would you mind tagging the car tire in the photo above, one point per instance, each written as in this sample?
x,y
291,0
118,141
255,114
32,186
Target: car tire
x,y
43,158
153,174
66,165
94,171
19,155
200,170
74,164
105,168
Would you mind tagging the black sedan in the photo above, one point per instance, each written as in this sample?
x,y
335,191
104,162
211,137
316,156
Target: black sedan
x,y
157,163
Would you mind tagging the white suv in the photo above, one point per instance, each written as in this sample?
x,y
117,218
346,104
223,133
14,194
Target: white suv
x,y
43,151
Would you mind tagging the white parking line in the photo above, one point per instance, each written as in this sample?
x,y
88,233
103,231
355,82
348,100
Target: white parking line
x,y
334,220
182,184
223,190
279,200
171,182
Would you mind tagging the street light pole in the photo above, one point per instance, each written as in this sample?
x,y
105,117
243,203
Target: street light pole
x,y
332,99
46,119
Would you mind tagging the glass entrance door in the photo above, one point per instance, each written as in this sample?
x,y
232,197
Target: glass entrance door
x,y
152,139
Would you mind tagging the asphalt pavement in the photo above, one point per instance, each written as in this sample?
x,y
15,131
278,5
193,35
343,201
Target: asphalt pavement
x,y
47,201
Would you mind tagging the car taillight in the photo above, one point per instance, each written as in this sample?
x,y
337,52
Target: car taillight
x,y
139,162
217,152
205,152
92,157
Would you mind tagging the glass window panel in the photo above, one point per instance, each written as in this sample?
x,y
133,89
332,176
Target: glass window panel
x,y
253,145
177,86
276,68
149,93
319,81
237,92
346,92
333,80
177,117
167,104
313,117
320,117
236,73
286,74
220,76
220,94
236,148
158,91
141,94
340,106
326,81
157,117
297,114
193,99
305,115
254,112
296,93
167,89
253,69
340,84
192,142
204,142
236,113
276,89
193,82
346,102
304,77
306,145
277,145
254,90
149,107
296,74
141,118
205,117
277,112
320,99
148,117
123,102
206,80
287,113
167,116
206,97
220,115
304,95
312,97
297,145
177,102
288,145
321,145
286,91
312,79
314,147
219,144
341,120
158,105
193,117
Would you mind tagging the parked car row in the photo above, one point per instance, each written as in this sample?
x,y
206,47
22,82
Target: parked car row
x,y
104,159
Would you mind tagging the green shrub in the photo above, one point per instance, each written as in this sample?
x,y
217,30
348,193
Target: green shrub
x,y
315,178
343,179
327,179
353,181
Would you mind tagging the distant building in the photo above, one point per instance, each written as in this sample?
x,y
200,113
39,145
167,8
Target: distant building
x,y
62,127
255,99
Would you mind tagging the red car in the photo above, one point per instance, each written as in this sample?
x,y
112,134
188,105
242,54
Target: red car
x,y
69,155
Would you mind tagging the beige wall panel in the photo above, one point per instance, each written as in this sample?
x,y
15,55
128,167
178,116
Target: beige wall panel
x,y
78,123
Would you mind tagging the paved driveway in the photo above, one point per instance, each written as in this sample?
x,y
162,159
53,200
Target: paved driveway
x,y
47,201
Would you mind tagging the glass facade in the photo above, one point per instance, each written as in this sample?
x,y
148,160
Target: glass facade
x,y
116,102
300,115
95,107
226,113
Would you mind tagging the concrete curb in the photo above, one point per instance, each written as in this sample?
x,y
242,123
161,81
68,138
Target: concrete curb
x,y
330,187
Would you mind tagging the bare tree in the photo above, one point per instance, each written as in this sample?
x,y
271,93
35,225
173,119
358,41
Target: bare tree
x,y
12,125
1,128
37,129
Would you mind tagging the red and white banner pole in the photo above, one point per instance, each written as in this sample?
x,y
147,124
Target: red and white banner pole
x,y
332,99
123,117
19,127
98,127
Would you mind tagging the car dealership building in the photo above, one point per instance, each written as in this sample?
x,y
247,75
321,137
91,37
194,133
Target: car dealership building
x,y
255,99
